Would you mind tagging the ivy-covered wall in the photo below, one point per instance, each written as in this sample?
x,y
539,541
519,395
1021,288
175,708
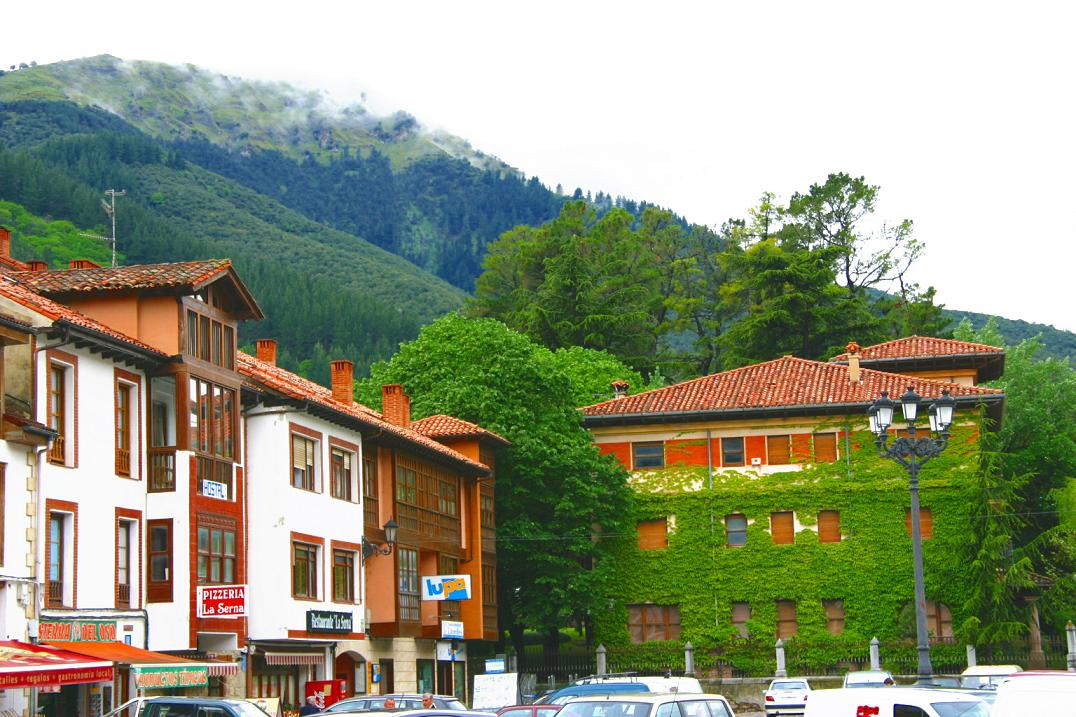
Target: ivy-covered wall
x,y
870,569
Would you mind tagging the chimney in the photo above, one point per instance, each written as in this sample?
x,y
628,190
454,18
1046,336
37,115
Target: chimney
x,y
36,265
343,381
83,264
620,388
5,242
395,405
853,361
266,350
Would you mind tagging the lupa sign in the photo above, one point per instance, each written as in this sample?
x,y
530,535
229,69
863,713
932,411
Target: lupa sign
x,y
446,587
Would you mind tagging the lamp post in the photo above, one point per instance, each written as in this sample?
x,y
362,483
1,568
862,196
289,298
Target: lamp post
x,y
912,452
370,548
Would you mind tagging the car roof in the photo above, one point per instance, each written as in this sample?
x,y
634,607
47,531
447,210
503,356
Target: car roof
x,y
199,700
990,670
648,697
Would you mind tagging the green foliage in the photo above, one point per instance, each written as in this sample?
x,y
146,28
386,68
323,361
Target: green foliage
x,y
870,569
553,489
54,242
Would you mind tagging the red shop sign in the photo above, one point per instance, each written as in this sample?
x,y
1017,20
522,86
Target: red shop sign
x,y
226,601
26,665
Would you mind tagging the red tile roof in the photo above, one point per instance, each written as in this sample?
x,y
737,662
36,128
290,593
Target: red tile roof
x,y
287,383
58,312
787,382
442,426
920,347
184,274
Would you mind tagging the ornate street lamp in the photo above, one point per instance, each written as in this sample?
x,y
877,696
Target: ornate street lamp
x,y
912,452
370,549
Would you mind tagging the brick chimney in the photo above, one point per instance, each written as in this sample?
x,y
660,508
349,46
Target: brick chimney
x,y
395,405
620,388
853,361
266,350
343,381
83,264
36,265
5,242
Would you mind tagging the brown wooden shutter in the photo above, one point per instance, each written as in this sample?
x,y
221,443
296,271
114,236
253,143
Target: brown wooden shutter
x,y
801,447
834,616
926,522
635,622
781,527
653,534
741,613
825,447
786,619
777,450
829,526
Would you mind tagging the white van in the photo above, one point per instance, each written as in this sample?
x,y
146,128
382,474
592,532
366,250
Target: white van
x,y
896,702
1036,693
986,677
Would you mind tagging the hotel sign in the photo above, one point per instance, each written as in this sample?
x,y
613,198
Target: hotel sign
x,y
325,621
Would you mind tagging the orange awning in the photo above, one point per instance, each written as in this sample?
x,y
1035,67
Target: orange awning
x,y
27,665
122,653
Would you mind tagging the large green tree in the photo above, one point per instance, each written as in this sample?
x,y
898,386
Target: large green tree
x,y
554,492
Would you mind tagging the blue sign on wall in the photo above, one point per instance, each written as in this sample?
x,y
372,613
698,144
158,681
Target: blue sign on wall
x,y
446,587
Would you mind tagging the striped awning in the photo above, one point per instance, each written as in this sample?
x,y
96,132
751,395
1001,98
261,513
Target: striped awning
x,y
223,669
294,658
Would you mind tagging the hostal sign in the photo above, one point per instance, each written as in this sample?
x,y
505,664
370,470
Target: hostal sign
x,y
324,621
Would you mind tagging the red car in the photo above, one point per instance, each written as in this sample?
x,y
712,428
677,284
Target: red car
x,y
529,711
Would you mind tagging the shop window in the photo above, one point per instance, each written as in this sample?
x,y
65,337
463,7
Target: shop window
x,y
782,528
647,623
778,451
741,613
160,560
216,554
648,455
735,530
407,561
343,576
304,453
732,451
834,610
786,619
653,534
829,526
304,570
825,447
926,522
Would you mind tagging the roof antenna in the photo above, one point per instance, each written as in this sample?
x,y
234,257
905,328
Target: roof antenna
x,y
110,210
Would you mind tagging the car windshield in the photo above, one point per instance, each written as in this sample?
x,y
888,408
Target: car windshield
x,y
605,708
246,709
961,709
453,704
790,685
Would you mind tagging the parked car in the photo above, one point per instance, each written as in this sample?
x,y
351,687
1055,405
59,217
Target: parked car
x,y
393,712
620,684
869,678
189,707
528,711
403,700
680,704
786,696
897,702
1037,692
987,677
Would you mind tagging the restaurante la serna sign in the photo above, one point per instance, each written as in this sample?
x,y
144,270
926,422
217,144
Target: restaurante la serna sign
x,y
325,621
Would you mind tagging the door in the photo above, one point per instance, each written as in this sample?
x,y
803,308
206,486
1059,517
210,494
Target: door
x,y
388,679
444,677
424,669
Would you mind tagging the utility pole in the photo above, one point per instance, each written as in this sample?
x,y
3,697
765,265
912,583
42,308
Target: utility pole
x,y
110,210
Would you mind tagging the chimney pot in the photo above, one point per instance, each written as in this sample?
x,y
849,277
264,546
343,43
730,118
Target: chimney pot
x,y
5,242
343,381
266,350
620,388
395,405
853,362
83,264
36,265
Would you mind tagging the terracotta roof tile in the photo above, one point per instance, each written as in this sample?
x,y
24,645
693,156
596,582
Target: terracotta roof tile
x,y
55,311
442,426
920,347
787,382
289,384
137,276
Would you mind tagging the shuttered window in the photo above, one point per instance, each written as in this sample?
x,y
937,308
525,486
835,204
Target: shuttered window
x,y
926,522
829,526
782,528
777,450
303,452
825,447
786,619
647,623
834,616
741,613
653,534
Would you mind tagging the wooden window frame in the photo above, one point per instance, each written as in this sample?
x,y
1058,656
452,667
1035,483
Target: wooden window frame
x,y
826,438
653,534
123,563
939,620
350,451
308,478
489,585
3,500
369,486
736,622
223,527
823,535
729,531
644,457
408,585
779,450
778,527
160,590
308,552
52,600
211,434
57,411
641,624
210,336
344,563
835,616
725,452
786,626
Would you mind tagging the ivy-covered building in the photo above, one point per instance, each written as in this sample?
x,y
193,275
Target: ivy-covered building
x,y
763,509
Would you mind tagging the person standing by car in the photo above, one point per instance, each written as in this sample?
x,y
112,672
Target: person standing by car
x,y
310,708
427,701
390,704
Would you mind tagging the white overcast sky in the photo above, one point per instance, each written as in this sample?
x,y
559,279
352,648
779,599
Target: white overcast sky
x,y
963,112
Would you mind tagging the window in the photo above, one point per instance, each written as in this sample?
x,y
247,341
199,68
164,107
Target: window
x,y
216,553
369,485
647,623
909,711
489,585
212,419
825,447
123,563
834,610
214,478
778,452
408,584
939,619
735,530
340,468
162,434
653,534
58,552
124,391
648,455
829,526
210,340
926,522
3,505
160,560
486,512
741,613
446,499
406,485
732,451
343,575
782,528
303,454
304,570
786,619
57,408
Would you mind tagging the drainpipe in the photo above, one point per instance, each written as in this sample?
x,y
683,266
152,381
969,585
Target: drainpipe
x,y
36,462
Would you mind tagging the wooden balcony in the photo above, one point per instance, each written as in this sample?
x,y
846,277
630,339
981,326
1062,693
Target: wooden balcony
x,y
123,462
123,595
162,470
430,525
57,453
56,593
